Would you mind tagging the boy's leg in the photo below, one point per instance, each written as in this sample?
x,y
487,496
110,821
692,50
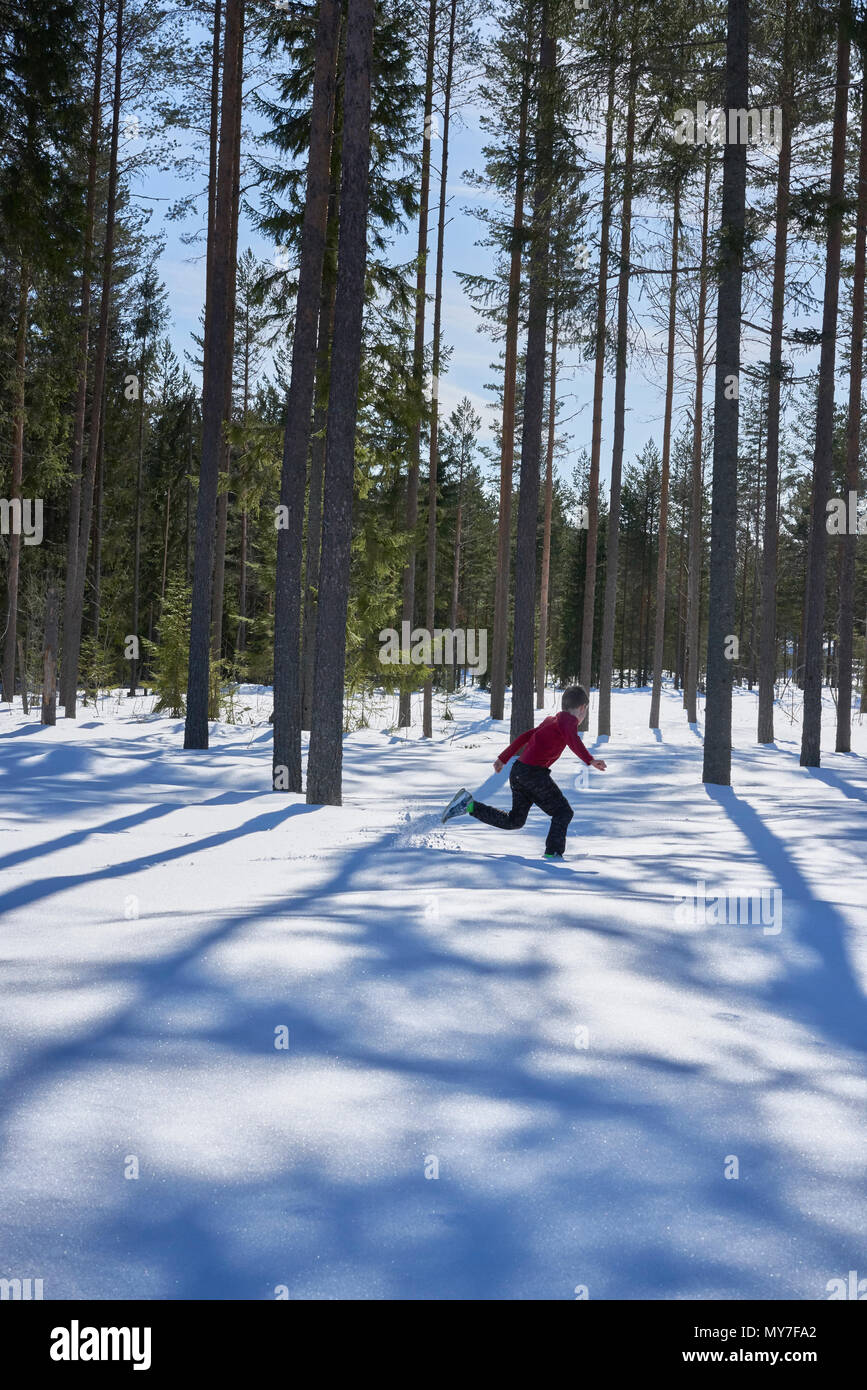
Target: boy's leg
x,y
549,798
506,820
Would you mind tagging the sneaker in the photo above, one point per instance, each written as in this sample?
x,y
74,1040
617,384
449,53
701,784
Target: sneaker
x,y
458,804
559,857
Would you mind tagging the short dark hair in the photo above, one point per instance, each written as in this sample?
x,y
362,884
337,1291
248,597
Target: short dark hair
x,y
574,696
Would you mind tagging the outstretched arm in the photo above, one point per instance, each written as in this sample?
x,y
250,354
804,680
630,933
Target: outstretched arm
x,y
578,748
512,749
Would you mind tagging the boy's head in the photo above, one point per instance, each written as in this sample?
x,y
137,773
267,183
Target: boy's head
x,y
575,701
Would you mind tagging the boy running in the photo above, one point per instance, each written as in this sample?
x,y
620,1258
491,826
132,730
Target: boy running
x,y
530,777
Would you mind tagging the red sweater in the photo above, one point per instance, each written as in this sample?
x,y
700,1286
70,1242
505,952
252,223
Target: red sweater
x,y
545,744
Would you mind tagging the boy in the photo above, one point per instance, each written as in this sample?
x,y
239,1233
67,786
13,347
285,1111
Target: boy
x,y
530,777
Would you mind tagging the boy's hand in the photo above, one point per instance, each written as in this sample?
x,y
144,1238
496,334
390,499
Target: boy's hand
x,y
498,766
599,764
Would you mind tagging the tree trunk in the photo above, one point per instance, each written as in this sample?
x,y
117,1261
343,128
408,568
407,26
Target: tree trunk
x,y
286,768
724,505
9,650
83,340
325,763
846,623
692,657
814,601
589,615
49,676
75,612
542,651
662,558
606,663
314,488
500,644
22,675
217,345
136,566
408,592
770,537
430,598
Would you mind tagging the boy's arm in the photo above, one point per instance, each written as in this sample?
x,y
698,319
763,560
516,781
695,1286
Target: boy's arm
x,y
515,747
578,748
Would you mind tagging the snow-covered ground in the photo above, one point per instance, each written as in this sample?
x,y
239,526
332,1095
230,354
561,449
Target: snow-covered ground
x,y
288,1019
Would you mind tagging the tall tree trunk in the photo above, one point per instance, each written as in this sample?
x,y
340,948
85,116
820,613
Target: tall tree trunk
x,y
523,643
724,504
9,650
314,487
166,544
286,769
586,668
814,601
692,655
846,623
49,668
408,589
75,612
83,341
770,535
456,566
96,609
662,559
542,651
430,597
136,565
218,343
606,662
325,762
500,644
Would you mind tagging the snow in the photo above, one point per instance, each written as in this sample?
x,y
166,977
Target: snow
x,y
165,915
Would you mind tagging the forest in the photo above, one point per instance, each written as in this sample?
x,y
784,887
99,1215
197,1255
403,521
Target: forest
x,y
661,247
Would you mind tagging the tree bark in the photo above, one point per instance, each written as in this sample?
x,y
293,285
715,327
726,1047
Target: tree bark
x,y
662,558
724,504
606,663
217,345
430,597
75,613
692,639
814,601
542,650
9,650
286,768
770,536
408,588
83,340
589,615
325,763
49,667
846,622
500,643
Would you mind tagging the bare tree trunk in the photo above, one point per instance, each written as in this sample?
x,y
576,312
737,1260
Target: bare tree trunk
x,y
814,601
692,656
22,674
136,566
500,644
325,762
17,481
662,560
97,527
430,597
606,662
49,677
542,650
724,505
314,488
408,594
218,344
456,567
83,339
770,536
286,767
75,611
166,543
846,623
586,668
